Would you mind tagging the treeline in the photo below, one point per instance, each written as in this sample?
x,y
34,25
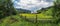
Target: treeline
x,y
55,11
44,9
23,11
6,8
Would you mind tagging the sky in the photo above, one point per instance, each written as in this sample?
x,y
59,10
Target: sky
x,y
32,5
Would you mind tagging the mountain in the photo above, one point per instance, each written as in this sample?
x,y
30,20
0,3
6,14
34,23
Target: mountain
x,y
23,10
44,9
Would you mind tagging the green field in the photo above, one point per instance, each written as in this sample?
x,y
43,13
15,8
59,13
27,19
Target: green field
x,y
43,19
8,21
40,16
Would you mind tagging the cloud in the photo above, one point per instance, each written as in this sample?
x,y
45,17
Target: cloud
x,y
32,5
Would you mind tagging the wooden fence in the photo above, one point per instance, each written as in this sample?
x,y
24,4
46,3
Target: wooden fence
x,y
36,21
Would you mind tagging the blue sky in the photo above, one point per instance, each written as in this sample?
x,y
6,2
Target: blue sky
x,y
32,5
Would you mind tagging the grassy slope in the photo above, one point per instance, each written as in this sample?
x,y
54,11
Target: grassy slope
x,y
7,22
43,15
20,22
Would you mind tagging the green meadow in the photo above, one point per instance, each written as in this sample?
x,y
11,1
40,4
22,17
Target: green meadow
x,y
9,16
17,20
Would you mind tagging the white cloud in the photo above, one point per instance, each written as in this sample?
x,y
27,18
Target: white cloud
x,y
32,4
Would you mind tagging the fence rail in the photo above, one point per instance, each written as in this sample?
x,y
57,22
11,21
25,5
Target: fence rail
x,y
37,21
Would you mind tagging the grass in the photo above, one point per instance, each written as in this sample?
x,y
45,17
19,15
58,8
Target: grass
x,y
40,16
7,22
16,20
44,15
20,22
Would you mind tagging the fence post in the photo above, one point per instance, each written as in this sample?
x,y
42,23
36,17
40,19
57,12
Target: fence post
x,y
36,18
36,21
25,17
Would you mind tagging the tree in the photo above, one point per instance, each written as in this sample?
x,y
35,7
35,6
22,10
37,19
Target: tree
x,y
6,8
56,11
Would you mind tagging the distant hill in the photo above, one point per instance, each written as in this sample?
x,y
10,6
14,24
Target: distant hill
x,y
23,11
44,9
